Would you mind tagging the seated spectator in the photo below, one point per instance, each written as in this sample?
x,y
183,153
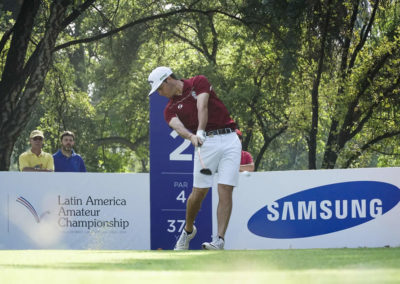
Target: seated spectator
x,y
66,160
36,160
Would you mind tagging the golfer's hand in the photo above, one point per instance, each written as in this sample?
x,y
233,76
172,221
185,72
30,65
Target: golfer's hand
x,y
201,135
194,140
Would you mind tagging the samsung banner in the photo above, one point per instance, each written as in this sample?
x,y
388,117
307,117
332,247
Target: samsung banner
x,y
74,211
315,209
171,180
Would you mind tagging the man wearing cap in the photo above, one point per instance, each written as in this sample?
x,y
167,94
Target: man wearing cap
x,y
195,113
66,160
246,160
36,160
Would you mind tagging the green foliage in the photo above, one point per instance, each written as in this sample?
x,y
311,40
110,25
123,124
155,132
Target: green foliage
x,y
262,58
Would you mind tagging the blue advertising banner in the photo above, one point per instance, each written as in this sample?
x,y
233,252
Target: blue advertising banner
x,y
171,180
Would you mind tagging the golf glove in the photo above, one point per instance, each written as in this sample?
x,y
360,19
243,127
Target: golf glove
x,y
201,134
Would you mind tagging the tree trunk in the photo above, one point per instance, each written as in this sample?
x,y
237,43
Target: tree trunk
x,y
18,97
331,154
312,141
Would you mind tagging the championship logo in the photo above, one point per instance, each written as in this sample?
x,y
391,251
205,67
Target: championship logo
x,y
31,209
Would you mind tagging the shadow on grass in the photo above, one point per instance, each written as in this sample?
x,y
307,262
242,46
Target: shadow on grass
x,y
382,258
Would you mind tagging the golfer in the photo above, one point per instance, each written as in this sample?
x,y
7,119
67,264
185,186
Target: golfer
x,y
196,114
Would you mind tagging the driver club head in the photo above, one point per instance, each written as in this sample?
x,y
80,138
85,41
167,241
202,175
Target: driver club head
x,y
206,171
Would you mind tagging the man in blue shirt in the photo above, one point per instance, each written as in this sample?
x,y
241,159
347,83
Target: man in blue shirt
x,y
66,160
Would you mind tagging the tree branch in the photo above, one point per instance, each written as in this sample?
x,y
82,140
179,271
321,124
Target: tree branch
x,y
76,13
104,17
347,40
267,139
329,154
18,47
368,145
215,39
141,21
387,93
192,44
312,152
363,37
23,103
365,83
122,141
5,38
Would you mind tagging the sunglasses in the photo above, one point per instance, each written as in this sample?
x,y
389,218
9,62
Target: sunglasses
x,y
37,138
161,85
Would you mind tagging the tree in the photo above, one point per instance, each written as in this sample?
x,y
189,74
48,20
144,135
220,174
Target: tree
x,y
29,47
369,81
312,84
26,66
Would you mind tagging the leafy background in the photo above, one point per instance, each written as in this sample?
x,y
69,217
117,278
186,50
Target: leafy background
x,y
311,84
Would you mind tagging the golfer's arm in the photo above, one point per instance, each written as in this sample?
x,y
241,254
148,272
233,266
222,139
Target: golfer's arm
x,y
30,169
202,110
176,124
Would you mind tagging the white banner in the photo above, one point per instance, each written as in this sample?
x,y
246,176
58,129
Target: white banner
x,y
271,210
314,209
74,211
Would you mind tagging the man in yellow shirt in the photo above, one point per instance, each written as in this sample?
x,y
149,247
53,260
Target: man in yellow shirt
x,y
35,160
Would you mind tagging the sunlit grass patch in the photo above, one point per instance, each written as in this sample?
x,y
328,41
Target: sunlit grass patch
x,y
378,265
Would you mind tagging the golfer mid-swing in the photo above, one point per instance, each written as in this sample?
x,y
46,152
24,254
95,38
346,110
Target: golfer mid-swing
x,y
193,107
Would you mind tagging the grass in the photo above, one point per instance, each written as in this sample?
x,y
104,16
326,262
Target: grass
x,y
363,265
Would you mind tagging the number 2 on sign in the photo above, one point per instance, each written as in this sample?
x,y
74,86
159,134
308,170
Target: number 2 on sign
x,y
172,226
177,155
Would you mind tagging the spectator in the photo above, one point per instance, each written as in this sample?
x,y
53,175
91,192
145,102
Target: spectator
x,y
36,160
66,160
246,161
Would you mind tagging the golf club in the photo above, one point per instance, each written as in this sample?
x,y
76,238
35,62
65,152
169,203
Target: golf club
x,y
204,170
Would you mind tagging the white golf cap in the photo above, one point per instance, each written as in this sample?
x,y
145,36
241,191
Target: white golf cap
x,y
157,76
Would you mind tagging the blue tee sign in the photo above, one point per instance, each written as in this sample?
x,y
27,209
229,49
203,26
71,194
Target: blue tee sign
x,y
171,180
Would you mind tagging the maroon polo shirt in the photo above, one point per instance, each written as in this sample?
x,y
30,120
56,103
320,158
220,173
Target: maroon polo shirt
x,y
185,107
